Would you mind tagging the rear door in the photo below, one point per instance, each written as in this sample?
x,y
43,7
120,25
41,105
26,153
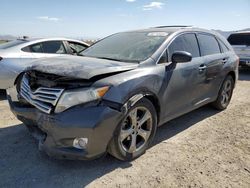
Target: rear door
x,y
214,61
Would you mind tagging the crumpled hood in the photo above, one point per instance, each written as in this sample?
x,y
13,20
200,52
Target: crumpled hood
x,y
80,67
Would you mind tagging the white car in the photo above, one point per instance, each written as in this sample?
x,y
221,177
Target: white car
x,y
240,41
17,55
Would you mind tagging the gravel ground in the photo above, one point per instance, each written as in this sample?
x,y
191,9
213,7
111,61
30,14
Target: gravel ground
x,y
204,148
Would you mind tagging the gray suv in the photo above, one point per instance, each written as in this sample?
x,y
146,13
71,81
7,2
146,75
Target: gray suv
x,y
113,98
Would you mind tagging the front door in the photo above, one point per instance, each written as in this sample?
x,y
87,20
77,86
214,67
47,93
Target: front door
x,y
181,87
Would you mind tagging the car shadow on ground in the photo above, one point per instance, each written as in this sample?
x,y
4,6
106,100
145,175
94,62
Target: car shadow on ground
x,y
244,74
22,165
2,95
182,123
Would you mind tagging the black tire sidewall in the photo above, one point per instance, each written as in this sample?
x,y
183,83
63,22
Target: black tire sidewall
x,y
218,102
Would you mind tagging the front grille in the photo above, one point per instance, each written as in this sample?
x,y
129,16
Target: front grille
x,y
43,98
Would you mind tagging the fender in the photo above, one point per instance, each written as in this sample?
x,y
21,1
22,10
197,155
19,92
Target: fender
x,y
131,102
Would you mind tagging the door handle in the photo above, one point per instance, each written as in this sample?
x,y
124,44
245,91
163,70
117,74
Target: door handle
x,y
202,68
224,60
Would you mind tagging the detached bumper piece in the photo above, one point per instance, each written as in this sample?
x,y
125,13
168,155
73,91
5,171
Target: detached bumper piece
x,y
92,127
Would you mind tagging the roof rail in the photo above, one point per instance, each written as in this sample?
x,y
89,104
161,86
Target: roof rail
x,y
163,26
245,31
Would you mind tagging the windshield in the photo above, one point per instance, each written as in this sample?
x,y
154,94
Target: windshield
x,y
11,44
239,39
128,47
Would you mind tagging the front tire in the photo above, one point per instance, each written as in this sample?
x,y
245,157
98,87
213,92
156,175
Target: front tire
x,y
135,132
225,94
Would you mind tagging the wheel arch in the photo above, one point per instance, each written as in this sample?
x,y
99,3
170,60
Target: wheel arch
x,y
148,95
233,74
230,73
155,101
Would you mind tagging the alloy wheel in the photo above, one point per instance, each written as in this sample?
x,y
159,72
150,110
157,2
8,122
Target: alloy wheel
x,y
226,93
136,130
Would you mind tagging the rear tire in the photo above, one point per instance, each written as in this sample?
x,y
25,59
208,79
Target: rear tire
x,y
135,132
225,94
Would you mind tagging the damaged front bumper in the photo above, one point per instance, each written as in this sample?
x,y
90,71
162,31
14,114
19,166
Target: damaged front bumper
x,y
56,132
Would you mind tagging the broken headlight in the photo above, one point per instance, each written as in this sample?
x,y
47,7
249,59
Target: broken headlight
x,y
80,96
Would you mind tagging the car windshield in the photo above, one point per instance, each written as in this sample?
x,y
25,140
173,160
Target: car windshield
x,y
12,44
239,39
127,47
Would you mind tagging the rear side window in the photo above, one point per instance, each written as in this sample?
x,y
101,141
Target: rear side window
x,y
185,42
51,47
239,39
224,48
37,48
208,44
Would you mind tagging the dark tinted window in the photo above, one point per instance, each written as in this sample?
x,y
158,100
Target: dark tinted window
x,y
53,47
76,47
164,58
185,42
37,48
26,49
224,48
208,44
239,39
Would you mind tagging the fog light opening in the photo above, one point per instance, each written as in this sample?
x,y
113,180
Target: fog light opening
x,y
80,143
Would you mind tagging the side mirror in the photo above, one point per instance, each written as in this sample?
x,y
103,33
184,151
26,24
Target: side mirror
x,y
181,57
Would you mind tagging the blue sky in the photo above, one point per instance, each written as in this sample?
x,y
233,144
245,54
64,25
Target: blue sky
x,y
98,18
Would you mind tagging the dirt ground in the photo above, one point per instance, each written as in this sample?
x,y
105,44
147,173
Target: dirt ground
x,y
204,148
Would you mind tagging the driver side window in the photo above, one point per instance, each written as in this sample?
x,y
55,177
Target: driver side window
x,y
186,42
164,58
